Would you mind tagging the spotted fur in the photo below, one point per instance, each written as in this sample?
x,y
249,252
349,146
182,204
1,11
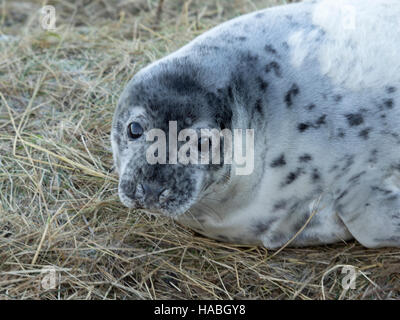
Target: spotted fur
x,y
323,100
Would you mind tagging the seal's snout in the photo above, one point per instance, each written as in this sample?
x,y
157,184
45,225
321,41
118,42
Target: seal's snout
x,y
144,195
148,192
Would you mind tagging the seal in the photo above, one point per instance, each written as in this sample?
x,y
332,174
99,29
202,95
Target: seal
x,y
319,84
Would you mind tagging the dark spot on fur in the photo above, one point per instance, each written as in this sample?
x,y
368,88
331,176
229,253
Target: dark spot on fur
x,y
280,205
279,238
275,67
381,190
258,106
392,198
180,82
334,168
279,162
315,175
337,98
321,120
365,133
374,156
354,119
391,89
388,103
263,85
206,49
263,226
294,91
270,49
230,93
303,127
292,176
310,106
305,158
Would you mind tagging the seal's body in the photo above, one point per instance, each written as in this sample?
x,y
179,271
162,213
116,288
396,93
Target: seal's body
x,y
319,82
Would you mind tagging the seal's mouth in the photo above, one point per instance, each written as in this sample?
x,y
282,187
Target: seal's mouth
x,y
167,208
151,212
168,198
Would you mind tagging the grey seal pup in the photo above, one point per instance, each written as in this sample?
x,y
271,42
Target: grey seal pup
x,y
319,83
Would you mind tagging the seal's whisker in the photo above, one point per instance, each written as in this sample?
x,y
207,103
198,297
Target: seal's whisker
x,y
195,218
198,198
209,210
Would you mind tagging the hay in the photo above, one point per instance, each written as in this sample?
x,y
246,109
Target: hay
x,y
58,202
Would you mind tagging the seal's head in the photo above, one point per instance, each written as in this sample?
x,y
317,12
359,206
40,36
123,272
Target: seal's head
x,y
166,92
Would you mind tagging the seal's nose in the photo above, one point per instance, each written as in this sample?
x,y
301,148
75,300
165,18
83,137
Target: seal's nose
x,y
149,191
144,195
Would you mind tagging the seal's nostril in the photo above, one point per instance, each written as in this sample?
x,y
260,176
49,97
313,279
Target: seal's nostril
x,y
164,195
149,191
140,191
128,189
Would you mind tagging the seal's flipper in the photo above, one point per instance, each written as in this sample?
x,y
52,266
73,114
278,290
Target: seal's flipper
x,y
377,223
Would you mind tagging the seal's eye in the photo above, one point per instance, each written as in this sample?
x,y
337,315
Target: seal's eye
x,y
135,130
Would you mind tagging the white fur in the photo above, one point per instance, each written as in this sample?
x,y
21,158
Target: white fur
x,y
328,48
363,39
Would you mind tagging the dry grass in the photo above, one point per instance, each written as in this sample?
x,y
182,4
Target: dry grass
x,y
58,202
